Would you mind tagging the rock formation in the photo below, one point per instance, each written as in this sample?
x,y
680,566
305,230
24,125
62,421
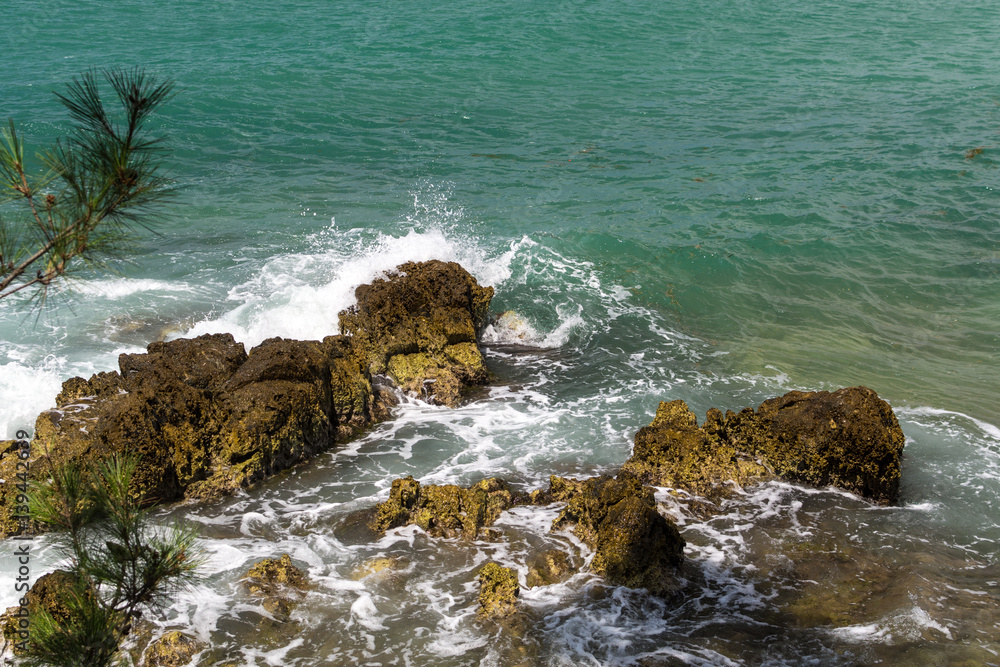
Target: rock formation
x,y
420,327
48,594
498,591
848,438
446,510
174,649
279,583
616,517
208,418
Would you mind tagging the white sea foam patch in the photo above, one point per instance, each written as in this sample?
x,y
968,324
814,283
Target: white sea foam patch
x,y
905,626
26,387
988,429
118,288
300,295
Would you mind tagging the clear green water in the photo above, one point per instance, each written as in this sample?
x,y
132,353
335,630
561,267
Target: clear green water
x,y
714,201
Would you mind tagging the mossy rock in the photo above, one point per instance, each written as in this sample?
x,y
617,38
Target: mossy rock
x,y
374,567
206,418
272,574
279,583
498,591
445,510
635,545
419,325
673,451
174,649
849,438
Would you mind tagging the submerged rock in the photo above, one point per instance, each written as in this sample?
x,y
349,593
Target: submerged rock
x,y
208,418
498,591
616,517
174,649
549,567
272,575
849,438
279,583
446,510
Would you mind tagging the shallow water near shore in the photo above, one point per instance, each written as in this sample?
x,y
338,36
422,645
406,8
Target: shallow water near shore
x,y
718,203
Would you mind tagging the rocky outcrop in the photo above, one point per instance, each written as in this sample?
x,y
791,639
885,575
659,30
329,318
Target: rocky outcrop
x,y
420,327
634,545
498,591
208,418
446,510
849,438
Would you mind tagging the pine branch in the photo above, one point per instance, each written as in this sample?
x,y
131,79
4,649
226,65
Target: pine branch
x,y
108,178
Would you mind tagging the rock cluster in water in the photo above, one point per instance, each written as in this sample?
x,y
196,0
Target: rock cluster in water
x,y
208,418
278,583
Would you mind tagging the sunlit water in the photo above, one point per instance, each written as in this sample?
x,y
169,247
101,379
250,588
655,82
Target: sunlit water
x,y
717,202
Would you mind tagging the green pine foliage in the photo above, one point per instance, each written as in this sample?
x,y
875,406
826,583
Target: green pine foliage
x,y
122,563
82,208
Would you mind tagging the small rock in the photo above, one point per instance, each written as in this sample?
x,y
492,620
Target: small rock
x,y
269,575
498,591
173,649
549,567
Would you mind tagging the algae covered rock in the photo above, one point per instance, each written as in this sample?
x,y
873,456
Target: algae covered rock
x,y
49,593
420,326
207,418
445,510
277,410
673,451
498,591
174,649
849,438
273,575
616,517
549,567
279,583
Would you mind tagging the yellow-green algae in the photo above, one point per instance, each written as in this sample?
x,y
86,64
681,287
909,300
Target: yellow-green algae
x,y
49,593
445,510
849,438
173,649
549,567
207,418
498,591
616,517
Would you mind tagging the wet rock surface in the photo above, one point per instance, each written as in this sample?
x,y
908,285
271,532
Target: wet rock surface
x,y
849,438
616,517
420,326
208,418
49,593
549,567
446,510
173,649
279,583
498,591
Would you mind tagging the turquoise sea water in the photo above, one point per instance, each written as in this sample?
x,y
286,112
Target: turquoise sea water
x,y
714,201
